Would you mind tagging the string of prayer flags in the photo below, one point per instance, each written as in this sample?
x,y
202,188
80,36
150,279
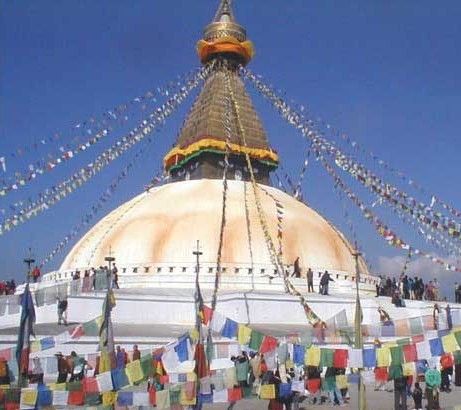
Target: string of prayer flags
x,y
63,189
451,228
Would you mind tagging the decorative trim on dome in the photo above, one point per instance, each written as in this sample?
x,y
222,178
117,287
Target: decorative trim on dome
x,y
227,44
178,156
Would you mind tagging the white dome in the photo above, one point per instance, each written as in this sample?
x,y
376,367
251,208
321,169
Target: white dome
x,y
163,225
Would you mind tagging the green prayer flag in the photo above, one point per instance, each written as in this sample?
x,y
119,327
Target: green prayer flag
x,y
416,326
329,383
256,340
146,365
326,357
395,372
74,386
92,399
404,341
91,328
457,356
396,355
458,337
175,394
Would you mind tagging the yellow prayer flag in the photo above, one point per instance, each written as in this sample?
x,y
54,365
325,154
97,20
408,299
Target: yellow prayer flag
x,y
35,346
109,398
104,362
134,372
267,392
184,400
449,343
409,369
191,377
29,397
59,386
312,356
244,334
99,320
341,381
383,357
194,335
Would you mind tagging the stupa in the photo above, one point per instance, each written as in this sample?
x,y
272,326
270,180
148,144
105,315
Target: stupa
x,y
222,152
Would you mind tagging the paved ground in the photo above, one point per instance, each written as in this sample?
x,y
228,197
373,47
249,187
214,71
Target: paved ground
x,y
375,401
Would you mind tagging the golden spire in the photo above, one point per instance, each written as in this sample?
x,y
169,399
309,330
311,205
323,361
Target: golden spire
x,y
225,37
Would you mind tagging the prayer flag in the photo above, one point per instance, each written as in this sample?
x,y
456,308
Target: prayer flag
x,y
125,398
230,329
234,394
119,378
25,331
298,354
105,381
313,385
267,392
355,358
326,357
340,358
256,340
284,389
244,334
382,357
134,372
423,350
60,398
182,349
396,355
141,399
28,398
409,352
409,369
341,381
369,357
220,396
449,343
436,347
395,372
312,356
269,344
45,398
76,398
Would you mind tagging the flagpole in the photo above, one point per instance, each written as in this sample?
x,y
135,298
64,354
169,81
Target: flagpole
x,y
362,403
198,321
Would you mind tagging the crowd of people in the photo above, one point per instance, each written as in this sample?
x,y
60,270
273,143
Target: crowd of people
x,y
103,272
7,287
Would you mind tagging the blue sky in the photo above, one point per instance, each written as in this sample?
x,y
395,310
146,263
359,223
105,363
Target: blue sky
x,y
384,72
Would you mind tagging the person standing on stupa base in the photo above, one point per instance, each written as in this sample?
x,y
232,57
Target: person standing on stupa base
x,y
324,283
296,268
310,280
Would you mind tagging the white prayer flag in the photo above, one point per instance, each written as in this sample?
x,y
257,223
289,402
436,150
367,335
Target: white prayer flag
x,y
140,399
104,382
220,396
60,397
355,358
423,350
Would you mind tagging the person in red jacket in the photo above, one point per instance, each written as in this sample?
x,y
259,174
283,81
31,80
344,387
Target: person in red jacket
x,y
446,362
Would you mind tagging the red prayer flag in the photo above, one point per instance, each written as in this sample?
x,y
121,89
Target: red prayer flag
x,y
234,394
6,354
90,385
76,332
201,367
268,345
12,406
409,353
340,358
206,315
417,339
152,396
381,374
313,385
76,398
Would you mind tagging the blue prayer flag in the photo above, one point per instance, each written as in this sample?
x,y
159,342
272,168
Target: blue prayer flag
x,y
369,357
119,378
436,347
182,349
125,398
25,330
284,389
45,398
298,354
388,330
47,343
230,329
